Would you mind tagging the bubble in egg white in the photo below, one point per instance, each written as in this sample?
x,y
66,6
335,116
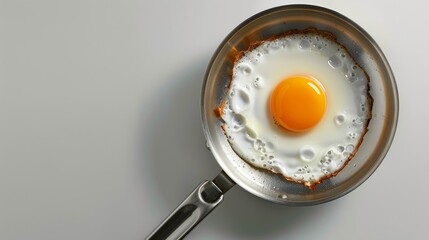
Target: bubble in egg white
x,y
239,100
340,119
357,121
250,134
258,83
274,45
350,148
334,61
353,135
307,153
304,44
258,145
237,122
246,70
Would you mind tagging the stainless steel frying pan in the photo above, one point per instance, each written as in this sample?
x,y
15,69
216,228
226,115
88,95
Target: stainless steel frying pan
x,y
261,183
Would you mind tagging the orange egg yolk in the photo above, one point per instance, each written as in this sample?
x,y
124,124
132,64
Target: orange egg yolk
x,y
298,103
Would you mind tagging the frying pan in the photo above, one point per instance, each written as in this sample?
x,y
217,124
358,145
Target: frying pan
x,y
272,187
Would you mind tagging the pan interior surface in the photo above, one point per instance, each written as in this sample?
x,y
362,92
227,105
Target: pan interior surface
x,y
365,52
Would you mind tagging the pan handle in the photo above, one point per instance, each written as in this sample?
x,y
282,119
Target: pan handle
x,y
193,209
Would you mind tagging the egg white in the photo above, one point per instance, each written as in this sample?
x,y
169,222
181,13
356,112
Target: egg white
x,y
313,155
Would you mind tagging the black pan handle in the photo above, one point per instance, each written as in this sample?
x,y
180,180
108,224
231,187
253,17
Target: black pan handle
x,y
193,209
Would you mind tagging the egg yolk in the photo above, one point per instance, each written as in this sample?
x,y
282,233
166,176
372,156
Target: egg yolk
x,y
298,103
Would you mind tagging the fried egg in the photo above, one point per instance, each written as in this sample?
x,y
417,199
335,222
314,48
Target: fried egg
x,y
297,105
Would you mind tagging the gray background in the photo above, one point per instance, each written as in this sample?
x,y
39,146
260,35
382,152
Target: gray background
x,y
100,134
